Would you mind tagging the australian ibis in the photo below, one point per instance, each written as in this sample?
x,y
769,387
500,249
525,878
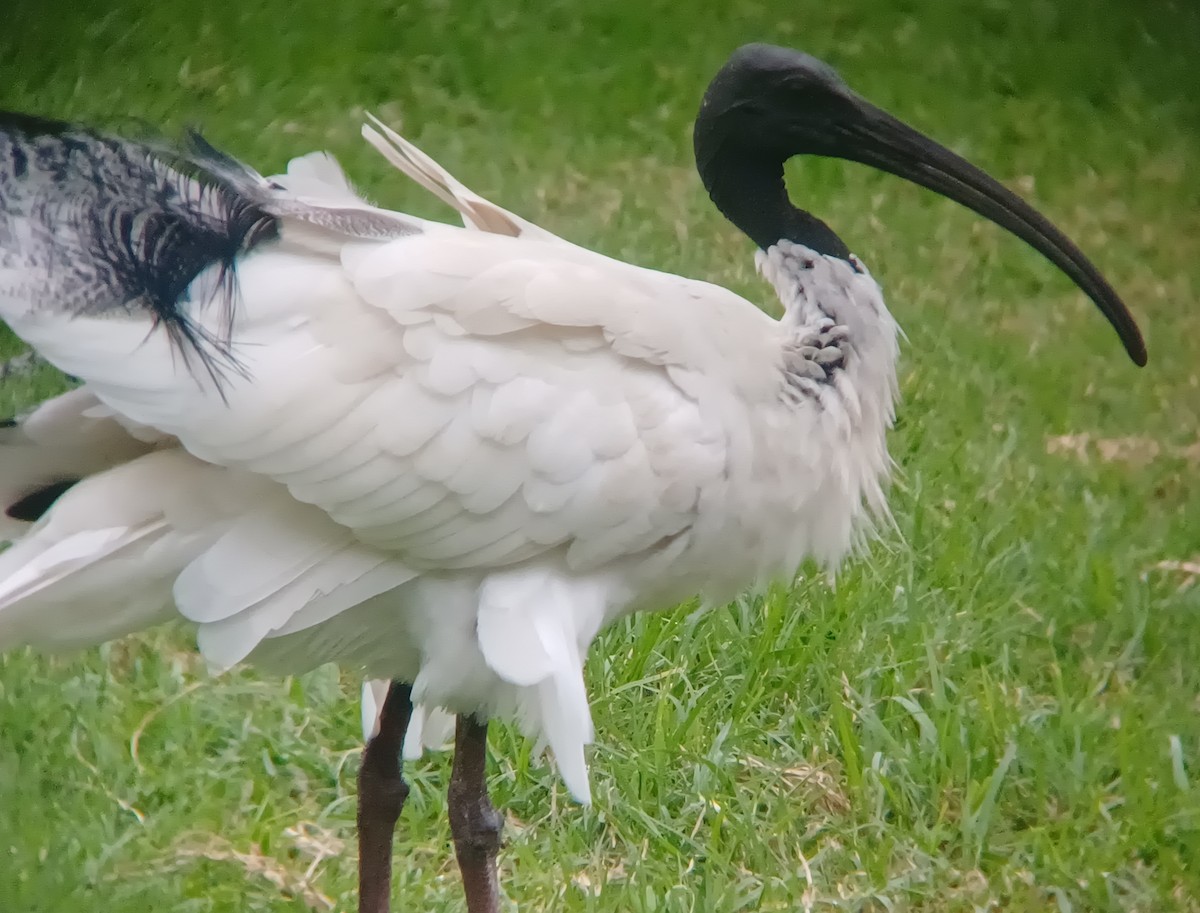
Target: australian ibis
x,y
455,454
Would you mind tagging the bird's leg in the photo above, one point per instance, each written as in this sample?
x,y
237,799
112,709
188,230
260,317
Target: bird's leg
x,y
381,795
474,823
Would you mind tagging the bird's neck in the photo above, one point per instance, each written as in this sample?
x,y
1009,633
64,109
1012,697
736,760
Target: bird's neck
x,y
749,190
832,304
814,288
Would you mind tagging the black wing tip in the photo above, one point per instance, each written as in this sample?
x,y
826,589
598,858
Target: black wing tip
x,y
33,506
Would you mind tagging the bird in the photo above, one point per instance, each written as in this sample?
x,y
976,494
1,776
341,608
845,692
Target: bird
x,y
461,452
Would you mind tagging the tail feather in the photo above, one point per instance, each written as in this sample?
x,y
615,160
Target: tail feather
x,y
529,641
87,588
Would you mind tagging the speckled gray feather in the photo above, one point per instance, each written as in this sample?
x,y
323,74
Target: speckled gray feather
x,y
95,225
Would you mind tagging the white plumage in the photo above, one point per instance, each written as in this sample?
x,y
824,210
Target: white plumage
x,y
103,560
450,456
518,441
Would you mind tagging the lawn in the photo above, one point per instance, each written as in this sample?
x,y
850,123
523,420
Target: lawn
x,y
997,706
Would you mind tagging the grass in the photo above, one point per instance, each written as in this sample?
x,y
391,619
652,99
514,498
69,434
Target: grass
x,y
998,708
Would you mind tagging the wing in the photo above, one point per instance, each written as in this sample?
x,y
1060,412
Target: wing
x,y
101,561
444,399
60,442
464,400
232,551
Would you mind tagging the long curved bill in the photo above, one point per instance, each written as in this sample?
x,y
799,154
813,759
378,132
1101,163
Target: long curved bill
x,y
863,133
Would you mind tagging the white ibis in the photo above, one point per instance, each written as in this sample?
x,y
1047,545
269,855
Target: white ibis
x,y
481,447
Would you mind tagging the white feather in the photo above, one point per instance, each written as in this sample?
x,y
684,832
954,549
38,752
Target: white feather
x,y
374,693
101,562
476,212
534,627
427,728
65,438
528,439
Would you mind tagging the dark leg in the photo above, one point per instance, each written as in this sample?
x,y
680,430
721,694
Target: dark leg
x,y
473,822
381,795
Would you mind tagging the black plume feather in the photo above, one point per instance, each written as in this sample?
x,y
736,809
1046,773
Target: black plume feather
x,y
97,224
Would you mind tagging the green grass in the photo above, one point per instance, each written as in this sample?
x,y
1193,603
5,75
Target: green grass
x,y
998,708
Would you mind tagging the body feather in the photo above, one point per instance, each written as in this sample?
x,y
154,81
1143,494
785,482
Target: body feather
x,y
499,442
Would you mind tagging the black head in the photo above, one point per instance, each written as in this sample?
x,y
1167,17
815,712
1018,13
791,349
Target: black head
x,y
769,103
754,99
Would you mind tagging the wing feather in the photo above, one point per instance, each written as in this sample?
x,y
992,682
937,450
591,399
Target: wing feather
x,y
100,562
464,442
477,212
458,395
